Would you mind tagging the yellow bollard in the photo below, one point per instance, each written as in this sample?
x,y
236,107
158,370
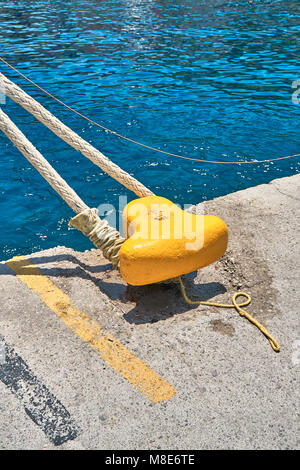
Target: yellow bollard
x,y
164,242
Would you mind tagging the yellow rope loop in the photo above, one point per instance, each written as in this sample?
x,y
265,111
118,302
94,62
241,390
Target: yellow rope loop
x,y
238,308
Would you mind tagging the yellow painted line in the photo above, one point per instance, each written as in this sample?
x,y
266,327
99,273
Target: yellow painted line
x,y
137,372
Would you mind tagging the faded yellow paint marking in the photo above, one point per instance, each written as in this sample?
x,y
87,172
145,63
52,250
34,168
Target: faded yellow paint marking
x,y
137,372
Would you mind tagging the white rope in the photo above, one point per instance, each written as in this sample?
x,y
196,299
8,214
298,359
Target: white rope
x,y
40,163
104,237
14,92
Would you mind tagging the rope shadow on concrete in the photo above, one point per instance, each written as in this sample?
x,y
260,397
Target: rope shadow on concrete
x,y
152,303
158,302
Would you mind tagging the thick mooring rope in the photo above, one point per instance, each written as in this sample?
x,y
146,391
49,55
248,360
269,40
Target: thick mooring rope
x,y
104,237
87,220
14,92
40,163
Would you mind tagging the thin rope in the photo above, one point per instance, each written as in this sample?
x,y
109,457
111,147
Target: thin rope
x,y
238,308
139,143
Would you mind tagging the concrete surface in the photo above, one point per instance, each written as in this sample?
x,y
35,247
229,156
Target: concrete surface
x,y
232,390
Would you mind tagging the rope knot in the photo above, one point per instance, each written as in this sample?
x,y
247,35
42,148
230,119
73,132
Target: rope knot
x,y
104,237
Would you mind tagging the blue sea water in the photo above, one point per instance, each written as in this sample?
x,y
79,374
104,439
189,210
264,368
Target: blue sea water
x,y
204,79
